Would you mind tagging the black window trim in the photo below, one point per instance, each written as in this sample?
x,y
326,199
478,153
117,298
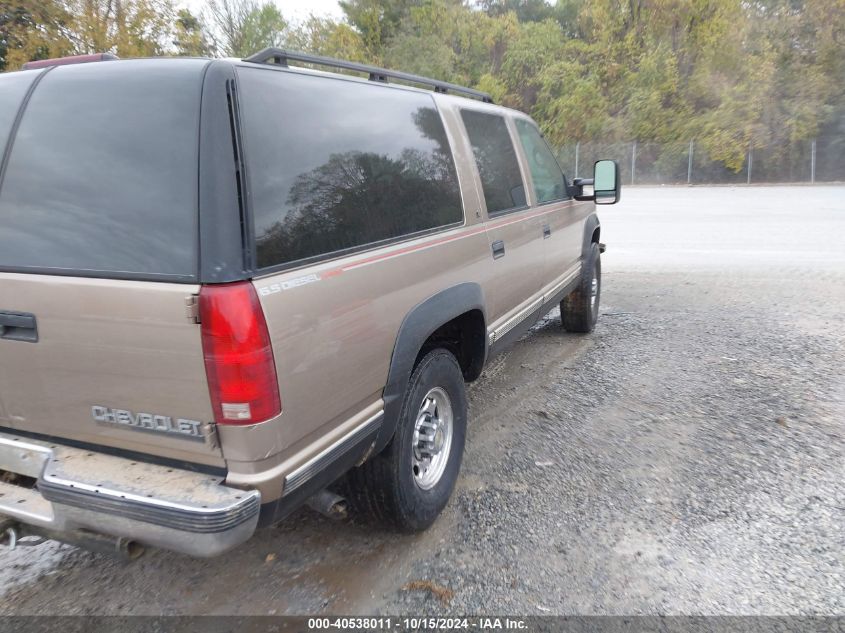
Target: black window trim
x,y
569,196
197,276
263,271
16,123
247,234
522,175
92,273
509,211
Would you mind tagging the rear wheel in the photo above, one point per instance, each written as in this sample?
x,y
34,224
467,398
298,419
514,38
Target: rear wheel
x,y
579,310
409,483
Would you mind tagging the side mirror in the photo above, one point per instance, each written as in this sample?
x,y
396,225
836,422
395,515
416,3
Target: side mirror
x,y
606,184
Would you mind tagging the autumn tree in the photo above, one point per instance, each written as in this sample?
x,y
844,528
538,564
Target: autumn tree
x,y
731,74
191,37
324,36
244,27
128,28
31,29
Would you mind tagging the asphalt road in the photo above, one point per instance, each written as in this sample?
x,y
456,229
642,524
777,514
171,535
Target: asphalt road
x,y
687,457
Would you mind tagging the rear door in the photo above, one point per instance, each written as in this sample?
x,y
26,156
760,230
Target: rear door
x,y
514,230
99,257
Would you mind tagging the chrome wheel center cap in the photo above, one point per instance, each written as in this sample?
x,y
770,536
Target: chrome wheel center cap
x,y
438,441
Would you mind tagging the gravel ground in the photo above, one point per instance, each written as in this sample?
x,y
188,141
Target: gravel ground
x,y
685,458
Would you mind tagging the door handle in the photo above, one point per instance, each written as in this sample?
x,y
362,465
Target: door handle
x,y
18,326
498,249
547,231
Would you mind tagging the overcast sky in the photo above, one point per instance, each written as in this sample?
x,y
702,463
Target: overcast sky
x,y
291,9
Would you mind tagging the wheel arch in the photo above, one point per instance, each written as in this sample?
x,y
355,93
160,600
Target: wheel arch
x,y
457,304
592,233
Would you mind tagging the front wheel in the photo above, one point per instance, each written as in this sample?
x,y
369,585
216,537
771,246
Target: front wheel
x,y
409,483
579,310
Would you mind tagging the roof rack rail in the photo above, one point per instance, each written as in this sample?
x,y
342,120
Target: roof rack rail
x,y
73,59
281,57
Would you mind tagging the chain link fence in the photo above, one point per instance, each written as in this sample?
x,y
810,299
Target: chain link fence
x,y
814,161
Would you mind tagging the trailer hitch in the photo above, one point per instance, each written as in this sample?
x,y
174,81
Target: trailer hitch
x,y
12,537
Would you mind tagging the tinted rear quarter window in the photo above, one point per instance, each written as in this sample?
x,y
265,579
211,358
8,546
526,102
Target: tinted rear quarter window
x,y
336,165
495,157
102,174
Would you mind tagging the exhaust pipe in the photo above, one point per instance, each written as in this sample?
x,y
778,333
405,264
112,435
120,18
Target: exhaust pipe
x,y
329,505
128,549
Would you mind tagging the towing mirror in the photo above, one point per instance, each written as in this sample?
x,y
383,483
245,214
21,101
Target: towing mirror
x,y
606,184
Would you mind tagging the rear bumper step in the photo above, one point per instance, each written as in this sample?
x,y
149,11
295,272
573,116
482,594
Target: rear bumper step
x,y
174,509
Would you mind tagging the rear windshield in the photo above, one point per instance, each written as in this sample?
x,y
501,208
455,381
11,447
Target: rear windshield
x,y
102,174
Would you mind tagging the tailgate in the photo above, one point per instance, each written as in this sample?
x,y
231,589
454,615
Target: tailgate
x,y
116,363
99,254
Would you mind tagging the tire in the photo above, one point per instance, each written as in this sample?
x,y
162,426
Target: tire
x,y
392,487
578,311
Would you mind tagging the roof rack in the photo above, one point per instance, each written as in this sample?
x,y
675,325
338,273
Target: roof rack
x,y
281,57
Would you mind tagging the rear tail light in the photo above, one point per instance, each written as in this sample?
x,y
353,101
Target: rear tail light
x,y
238,357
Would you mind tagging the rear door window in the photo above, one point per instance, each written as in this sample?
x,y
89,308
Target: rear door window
x,y
336,165
549,182
102,175
495,157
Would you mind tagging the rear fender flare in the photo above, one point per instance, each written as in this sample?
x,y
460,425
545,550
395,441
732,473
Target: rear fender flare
x,y
420,323
590,225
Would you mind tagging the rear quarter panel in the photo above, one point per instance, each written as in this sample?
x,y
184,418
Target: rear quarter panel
x,y
333,329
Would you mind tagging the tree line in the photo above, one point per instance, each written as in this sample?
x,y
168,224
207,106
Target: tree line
x,y
732,74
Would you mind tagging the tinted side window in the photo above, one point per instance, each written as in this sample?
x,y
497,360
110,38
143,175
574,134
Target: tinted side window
x,y
102,176
496,160
336,164
549,183
13,87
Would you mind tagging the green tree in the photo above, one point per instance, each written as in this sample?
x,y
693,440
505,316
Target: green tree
x,y
191,36
324,36
525,10
128,28
31,30
244,27
732,74
53,28
378,21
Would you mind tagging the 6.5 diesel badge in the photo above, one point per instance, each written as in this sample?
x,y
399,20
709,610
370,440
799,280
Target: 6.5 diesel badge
x,y
148,422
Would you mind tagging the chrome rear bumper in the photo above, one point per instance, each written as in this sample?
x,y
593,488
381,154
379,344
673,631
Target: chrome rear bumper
x,y
165,507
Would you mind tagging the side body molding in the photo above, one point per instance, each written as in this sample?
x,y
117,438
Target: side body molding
x,y
420,323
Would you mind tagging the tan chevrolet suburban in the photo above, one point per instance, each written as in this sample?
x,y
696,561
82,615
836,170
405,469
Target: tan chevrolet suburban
x,y
226,285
